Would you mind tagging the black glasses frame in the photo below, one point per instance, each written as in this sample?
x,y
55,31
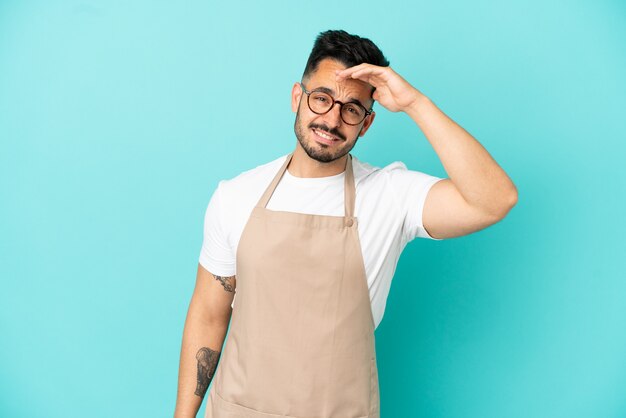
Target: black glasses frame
x,y
342,104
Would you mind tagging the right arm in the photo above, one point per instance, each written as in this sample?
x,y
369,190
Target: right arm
x,y
205,329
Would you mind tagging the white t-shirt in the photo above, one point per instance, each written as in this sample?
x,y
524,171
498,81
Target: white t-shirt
x,y
388,206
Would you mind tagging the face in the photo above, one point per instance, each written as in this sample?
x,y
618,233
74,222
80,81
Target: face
x,y
326,138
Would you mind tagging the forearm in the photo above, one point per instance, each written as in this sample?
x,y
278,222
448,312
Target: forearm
x,y
477,176
199,357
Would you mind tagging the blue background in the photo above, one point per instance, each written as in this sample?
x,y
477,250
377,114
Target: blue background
x,y
118,118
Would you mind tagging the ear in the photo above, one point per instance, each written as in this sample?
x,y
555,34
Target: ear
x,y
296,93
367,123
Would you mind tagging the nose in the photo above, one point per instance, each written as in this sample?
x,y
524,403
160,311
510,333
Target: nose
x,y
333,116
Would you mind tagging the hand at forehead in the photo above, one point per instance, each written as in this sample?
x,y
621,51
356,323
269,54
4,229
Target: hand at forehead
x,y
325,76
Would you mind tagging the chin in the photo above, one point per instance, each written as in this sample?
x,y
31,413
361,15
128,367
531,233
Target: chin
x,y
325,153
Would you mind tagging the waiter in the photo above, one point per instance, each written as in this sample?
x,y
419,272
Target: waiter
x,y
309,242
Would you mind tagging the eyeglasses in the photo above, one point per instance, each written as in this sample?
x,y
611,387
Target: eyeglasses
x,y
320,103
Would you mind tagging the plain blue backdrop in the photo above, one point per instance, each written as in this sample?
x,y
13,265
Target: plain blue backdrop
x,y
118,118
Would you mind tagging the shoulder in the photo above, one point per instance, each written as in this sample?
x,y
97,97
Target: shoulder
x,y
393,180
366,173
249,181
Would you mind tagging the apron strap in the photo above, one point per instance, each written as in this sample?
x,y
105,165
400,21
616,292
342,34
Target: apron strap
x,y
270,189
349,187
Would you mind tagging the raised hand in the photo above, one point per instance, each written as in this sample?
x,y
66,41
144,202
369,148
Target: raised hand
x,y
393,92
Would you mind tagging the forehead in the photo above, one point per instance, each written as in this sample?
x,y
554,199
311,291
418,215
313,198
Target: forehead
x,y
324,76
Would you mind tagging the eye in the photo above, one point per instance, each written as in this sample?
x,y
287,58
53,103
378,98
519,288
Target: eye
x,y
353,109
321,99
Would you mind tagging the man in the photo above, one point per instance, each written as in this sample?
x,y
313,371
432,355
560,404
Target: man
x,y
310,242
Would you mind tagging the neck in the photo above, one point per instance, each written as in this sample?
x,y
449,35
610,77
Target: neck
x,y
301,165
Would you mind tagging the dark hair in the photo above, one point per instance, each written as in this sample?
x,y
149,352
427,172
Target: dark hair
x,y
348,49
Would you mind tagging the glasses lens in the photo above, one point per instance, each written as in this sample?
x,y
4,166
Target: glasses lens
x,y
320,102
352,113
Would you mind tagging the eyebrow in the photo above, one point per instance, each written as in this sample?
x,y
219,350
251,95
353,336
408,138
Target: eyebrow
x,y
332,93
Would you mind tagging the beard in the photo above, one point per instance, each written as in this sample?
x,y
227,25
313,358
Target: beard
x,y
322,152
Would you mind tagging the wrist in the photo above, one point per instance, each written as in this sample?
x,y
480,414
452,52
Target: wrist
x,y
416,107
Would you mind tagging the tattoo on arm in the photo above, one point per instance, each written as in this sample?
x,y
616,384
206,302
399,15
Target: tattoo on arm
x,y
207,362
227,282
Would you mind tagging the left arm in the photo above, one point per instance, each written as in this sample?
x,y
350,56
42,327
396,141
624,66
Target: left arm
x,y
478,193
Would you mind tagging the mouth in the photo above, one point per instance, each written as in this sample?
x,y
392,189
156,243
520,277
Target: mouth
x,y
325,137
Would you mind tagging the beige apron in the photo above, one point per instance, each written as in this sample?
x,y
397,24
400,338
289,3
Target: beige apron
x,y
301,339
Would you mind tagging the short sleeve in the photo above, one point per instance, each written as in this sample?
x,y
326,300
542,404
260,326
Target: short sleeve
x,y
411,188
216,254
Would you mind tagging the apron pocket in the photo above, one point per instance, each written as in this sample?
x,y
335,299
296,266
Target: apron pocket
x,y
231,410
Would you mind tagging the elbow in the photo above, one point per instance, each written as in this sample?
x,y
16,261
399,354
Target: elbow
x,y
507,204
512,198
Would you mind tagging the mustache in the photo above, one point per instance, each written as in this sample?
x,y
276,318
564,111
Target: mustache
x,y
325,128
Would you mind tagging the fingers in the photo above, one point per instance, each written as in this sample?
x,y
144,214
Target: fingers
x,y
360,71
347,72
